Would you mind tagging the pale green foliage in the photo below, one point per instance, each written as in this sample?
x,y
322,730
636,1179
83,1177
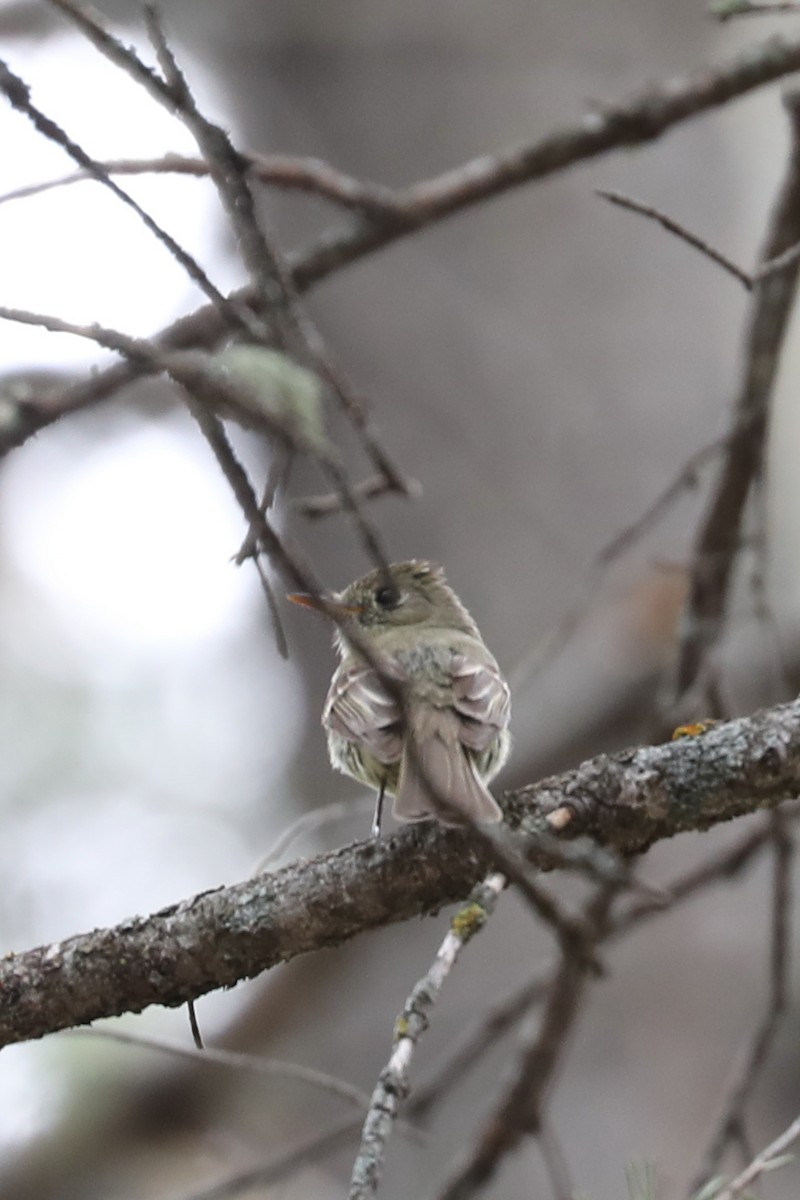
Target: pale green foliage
x,y
275,387
640,1178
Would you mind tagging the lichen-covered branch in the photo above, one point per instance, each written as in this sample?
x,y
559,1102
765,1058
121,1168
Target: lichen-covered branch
x,y
392,1086
626,801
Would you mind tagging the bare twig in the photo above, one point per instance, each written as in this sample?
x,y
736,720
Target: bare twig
x,y
555,1163
781,262
725,864
264,261
251,1063
275,292
638,121
727,10
314,507
236,314
392,1086
479,1037
761,1163
686,478
283,171
204,392
227,167
476,1040
283,1164
554,642
519,1111
483,1033
309,822
717,542
201,391
673,226
731,1121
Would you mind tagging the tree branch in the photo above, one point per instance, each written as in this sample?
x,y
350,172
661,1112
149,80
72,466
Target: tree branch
x,y
627,801
719,536
289,172
640,120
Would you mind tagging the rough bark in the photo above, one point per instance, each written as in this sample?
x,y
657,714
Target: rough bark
x,y
626,801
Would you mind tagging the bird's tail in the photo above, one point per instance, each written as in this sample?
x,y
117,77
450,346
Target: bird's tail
x,y
440,768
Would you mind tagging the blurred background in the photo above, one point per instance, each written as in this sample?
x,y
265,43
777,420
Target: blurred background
x,y
543,365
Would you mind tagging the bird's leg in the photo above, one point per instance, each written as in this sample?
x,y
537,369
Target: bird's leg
x,y
376,820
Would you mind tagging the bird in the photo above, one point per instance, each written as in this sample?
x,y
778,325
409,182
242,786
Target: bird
x,y
417,707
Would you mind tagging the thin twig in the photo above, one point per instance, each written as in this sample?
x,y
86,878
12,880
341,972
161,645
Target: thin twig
x,y
727,10
635,122
227,167
315,507
477,1038
673,226
275,292
392,1086
554,642
519,1110
555,1162
482,1035
725,864
283,171
761,1163
283,1164
204,392
236,314
252,1063
730,1123
508,852
197,383
717,541
781,262
276,480
264,261
309,822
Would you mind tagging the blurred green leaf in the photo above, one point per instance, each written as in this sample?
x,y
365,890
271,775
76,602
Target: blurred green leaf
x,y
640,1178
277,387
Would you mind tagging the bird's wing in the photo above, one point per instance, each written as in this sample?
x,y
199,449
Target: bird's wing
x,y
359,708
481,699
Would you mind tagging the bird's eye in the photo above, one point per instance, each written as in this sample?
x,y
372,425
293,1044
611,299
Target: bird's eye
x,y
388,597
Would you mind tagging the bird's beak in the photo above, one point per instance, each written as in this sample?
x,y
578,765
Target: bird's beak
x,y
329,603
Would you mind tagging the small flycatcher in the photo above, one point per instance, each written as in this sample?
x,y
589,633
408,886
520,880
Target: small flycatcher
x,y
457,703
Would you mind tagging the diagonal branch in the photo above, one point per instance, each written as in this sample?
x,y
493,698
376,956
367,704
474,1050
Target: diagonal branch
x,y
393,1084
626,801
232,312
519,1111
636,122
719,536
731,1122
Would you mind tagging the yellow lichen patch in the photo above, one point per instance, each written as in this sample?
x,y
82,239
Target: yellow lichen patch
x,y
693,729
468,920
401,1028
